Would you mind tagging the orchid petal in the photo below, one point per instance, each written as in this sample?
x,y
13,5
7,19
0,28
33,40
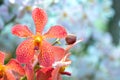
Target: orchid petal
x,y
46,57
25,51
65,58
56,32
59,53
15,66
2,56
29,72
21,31
40,19
9,75
45,73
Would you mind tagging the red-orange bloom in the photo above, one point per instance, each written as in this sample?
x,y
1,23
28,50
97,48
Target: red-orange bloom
x,y
7,72
53,69
25,50
55,53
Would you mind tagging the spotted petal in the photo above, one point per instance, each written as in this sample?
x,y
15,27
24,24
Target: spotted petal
x,y
25,51
46,57
40,19
21,31
15,66
59,53
56,32
2,56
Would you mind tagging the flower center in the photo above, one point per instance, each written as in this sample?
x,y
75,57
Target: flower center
x,y
37,40
2,70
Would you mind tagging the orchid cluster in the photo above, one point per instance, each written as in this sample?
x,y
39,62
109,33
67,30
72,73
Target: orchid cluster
x,y
85,17
36,57
98,58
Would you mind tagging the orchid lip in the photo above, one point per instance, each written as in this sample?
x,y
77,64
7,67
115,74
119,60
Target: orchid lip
x,y
37,41
36,48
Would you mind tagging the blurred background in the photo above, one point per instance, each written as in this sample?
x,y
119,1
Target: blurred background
x,y
97,57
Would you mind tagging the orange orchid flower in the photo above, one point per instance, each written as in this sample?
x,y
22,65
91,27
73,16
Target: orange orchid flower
x,y
7,72
26,49
54,67
51,54
54,71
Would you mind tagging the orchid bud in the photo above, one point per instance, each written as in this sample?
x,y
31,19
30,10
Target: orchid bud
x,y
70,39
